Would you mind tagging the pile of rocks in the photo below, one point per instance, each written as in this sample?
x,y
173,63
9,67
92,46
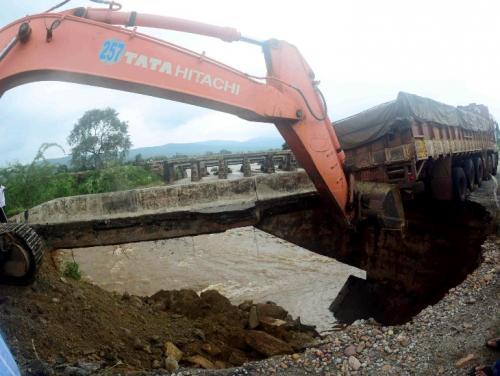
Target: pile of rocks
x,y
443,339
266,330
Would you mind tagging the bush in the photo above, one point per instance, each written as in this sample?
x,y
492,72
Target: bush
x,y
28,186
117,178
72,270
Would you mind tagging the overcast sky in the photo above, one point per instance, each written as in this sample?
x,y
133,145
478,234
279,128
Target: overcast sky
x,y
363,52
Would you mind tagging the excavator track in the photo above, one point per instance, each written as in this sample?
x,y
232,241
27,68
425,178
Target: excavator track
x,y
21,253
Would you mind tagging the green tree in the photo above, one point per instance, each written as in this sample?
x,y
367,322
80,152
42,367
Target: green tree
x,y
99,138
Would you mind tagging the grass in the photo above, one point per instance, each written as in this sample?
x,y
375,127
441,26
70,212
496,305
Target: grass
x,y
72,270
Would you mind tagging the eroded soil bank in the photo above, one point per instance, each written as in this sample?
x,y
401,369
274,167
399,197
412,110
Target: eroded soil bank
x,y
444,339
63,327
408,271
60,326
80,329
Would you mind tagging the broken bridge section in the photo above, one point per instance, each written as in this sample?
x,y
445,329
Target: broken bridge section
x,y
405,272
170,211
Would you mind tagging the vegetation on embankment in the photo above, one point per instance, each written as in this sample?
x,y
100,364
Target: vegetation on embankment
x,y
62,326
30,185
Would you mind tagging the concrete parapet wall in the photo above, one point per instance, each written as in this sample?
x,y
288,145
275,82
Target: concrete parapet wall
x,y
166,199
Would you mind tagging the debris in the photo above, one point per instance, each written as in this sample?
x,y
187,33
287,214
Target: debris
x,y
266,344
463,361
246,305
201,361
403,340
198,333
253,318
271,310
354,363
211,349
171,364
122,327
237,357
272,322
138,344
350,350
173,351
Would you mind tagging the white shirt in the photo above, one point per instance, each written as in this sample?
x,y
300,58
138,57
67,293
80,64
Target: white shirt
x,y
2,196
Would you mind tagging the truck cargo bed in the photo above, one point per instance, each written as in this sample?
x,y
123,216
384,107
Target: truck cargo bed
x,y
414,138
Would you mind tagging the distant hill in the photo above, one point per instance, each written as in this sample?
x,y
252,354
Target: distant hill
x,y
196,148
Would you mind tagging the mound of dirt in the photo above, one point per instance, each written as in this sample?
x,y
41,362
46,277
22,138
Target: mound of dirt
x,y
58,325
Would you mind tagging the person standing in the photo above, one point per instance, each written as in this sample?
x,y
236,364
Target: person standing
x,y
3,217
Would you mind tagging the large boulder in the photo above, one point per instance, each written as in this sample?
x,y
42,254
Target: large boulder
x,y
271,310
266,344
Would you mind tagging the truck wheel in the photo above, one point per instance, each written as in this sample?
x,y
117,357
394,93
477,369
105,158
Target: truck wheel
x,y
468,167
478,170
459,184
489,167
495,164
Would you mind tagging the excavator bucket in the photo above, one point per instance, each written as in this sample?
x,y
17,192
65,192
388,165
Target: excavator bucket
x,y
382,202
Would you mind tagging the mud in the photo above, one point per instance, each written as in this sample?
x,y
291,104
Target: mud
x,y
63,322
408,272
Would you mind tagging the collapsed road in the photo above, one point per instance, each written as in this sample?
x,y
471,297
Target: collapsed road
x,y
76,327
405,272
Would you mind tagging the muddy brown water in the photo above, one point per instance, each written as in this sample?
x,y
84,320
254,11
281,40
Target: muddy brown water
x,y
242,264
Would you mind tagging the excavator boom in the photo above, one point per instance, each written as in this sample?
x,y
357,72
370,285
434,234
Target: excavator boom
x,y
91,46
83,50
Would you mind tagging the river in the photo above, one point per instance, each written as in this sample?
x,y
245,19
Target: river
x,y
242,264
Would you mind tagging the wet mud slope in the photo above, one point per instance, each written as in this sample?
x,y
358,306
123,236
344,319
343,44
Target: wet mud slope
x,y
440,279
60,326
406,272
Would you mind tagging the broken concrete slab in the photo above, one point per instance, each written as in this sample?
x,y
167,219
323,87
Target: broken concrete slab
x,y
169,211
167,199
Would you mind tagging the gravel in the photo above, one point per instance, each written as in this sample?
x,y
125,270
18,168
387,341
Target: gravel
x,y
446,338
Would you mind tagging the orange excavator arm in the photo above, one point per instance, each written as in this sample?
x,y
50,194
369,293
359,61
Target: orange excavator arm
x,y
89,46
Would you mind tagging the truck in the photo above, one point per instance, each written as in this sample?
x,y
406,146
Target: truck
x,y
422,146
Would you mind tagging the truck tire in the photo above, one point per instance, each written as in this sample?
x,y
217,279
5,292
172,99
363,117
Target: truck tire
x,y
489,167
470,174
459,184
495,164
478,170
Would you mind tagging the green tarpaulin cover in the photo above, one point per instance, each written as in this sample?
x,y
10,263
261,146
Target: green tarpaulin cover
x,y
376,122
